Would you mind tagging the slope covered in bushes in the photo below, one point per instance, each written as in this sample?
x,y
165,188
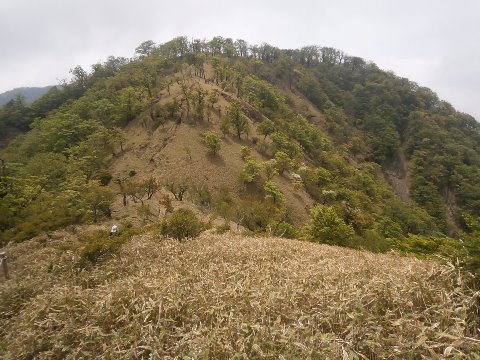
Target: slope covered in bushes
x,y
253,134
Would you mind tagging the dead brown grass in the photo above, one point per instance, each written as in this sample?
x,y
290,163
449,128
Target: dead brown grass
x,y
232,297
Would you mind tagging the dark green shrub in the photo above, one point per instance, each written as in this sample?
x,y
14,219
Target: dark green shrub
x,y
261,93
273,193
212,142
266,127
327,227
283,162
100,244
105,178
250,172
261,217
372,241
44,213
472,245
284,144
182,223
425,246
246,153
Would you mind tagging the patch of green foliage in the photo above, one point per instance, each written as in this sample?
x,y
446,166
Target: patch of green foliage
x,y
472,246
250,172
101,244
264,218
424,246
373,241
328,228
261,94
273,193
212,142
181,224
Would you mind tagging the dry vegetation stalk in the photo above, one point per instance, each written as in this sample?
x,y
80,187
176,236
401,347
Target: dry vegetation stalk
x,y
232,297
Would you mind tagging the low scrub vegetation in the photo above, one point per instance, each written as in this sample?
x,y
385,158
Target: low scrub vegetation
x,y
101,244
181,224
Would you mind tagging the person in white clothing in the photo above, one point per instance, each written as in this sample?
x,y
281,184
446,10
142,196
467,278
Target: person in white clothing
x,y
114,230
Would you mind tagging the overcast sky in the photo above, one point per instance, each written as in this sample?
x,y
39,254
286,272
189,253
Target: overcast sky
x,y
434,43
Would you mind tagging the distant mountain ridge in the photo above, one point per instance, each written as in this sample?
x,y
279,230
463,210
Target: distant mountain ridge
x,y
29,93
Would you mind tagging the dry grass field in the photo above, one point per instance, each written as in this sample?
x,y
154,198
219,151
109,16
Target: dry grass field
x,y
221,297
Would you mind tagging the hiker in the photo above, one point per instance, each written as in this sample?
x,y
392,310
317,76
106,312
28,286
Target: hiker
x,y
114,230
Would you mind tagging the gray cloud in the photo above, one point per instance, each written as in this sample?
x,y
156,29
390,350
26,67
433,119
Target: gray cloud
x,y
433,43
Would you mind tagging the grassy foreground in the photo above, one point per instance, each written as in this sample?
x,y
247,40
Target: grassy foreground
x,y
231,297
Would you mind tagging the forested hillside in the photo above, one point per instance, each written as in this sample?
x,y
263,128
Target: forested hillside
x,y
307,143
15,107
29,94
